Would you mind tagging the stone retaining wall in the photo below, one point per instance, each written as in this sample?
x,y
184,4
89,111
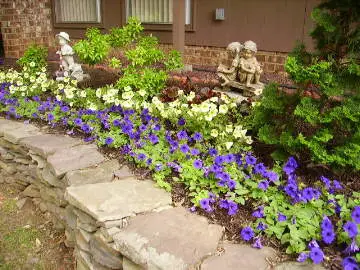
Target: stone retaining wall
x,y
114,222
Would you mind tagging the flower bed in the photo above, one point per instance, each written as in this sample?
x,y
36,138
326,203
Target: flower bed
x,y
205,148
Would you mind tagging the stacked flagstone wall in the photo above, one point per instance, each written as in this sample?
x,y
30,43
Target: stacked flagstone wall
x,y
113,220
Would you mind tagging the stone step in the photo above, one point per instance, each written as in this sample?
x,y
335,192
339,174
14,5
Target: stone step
x,y
171,239
109,202
47,144
75,158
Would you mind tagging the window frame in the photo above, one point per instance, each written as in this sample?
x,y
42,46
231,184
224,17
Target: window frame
x,y
78,25
163,27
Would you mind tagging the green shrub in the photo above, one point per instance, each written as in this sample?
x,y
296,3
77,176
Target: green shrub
x,y
94,49
311,124
34,57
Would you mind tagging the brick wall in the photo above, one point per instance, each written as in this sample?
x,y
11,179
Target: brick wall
x,y
24,22
213,56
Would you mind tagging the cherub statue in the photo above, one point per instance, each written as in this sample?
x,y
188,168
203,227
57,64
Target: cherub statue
x,y
68,67
249,68
228,74
66,53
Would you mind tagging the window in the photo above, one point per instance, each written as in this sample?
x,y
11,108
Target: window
x,y
77,11
155,11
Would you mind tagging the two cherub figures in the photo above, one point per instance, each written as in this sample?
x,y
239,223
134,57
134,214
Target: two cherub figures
x,y
68,67
244,72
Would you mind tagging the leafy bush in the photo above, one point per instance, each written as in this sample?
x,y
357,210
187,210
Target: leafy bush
x,y
94,49
122,37
308,123
35,57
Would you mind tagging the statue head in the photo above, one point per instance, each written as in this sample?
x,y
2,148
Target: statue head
x,y
235,47
63,38
250,45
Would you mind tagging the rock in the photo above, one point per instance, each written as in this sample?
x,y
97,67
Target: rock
x,y
39,160
86,226
85,218
104,172
117,200
298,266
129,265
53,195
6,125
104,254
170,239
83,261
15,135
239,257
13,148
10,168
109,233
81,243
51,179
123,173
70,217
70,240
32,191
24,161
47,144
43,207
24,203
75,158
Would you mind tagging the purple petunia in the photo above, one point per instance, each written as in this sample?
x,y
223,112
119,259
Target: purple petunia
x,y
213,152
198,164
261,226
109,140
263,185
231,184
184,148
232,207
247,233
259,213
86,128
350,263
302,257
257,243
50,117
328,236
158,167
141,156
181,122
195,151
351,229
290,166
182,135
326,181
205,204
316,255
197,136
281,217
153,139
355,214
250,160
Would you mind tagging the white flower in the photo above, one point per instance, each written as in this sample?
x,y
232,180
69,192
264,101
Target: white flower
x,y
127,95
58,97
82,94
228,145
214,133
223,109
26,75
127,88
142,92
32,64
229,128
239,132
98,93
180,92
190,96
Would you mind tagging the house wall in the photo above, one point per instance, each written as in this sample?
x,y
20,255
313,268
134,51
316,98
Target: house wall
x,y
275,25
24,22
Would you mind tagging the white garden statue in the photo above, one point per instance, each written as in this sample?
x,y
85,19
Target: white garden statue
x,y
244,73
68,67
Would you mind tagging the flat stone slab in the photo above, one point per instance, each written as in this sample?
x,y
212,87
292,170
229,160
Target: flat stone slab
x,y
101,173
75,158
298,266
23,131
171,239
48,144
237,257
118,200
6,125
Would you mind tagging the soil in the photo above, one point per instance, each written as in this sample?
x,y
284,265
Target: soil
x,y
28,239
